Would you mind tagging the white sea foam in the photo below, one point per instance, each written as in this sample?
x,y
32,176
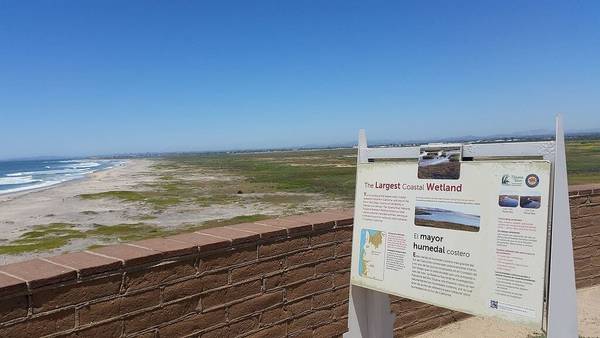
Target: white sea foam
x,y
86,165
30,187
15,174
52,172
68,170
17,180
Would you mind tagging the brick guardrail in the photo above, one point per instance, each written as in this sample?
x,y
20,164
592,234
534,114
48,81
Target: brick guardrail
x,y
281,277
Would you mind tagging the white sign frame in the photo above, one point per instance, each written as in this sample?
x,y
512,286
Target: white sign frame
x,y
369,312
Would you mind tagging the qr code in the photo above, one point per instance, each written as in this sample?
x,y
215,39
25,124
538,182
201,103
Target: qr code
x,y
494,304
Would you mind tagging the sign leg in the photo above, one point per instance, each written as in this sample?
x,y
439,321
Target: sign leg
x,y
562,299
369,314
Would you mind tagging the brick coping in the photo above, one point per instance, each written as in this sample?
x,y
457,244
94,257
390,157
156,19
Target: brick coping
x,y
584,189
23,277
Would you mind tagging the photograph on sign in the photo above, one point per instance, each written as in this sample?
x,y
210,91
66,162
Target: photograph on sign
x,y
473,242
532,202
508,201
445,215
439,162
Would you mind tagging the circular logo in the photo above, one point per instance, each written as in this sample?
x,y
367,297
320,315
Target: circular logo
x,y
532,180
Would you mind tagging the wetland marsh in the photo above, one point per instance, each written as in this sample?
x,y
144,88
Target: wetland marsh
x,y
156,197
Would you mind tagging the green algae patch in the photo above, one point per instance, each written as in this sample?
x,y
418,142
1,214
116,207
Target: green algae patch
x,y
146,217
126,232
156,199
128,196
55,235
43,238
234,220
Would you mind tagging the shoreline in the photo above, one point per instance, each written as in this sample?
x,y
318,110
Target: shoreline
x,y
16,194
22,211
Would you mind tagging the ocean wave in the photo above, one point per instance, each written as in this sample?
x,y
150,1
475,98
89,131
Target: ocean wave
x,y
82,171
30,187
15,174
34,177
86,165
80,165
17,180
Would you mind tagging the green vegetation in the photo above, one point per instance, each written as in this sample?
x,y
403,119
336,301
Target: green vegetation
x,y
583,161
147,217
158,199
234,220
128,232
55,235
268,176
43,238
292,180
329,172
129,196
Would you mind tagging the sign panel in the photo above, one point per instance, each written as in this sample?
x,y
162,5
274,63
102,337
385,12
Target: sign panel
x,y
468,236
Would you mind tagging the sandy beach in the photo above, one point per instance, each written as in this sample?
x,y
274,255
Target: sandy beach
x,y
23,212
588,316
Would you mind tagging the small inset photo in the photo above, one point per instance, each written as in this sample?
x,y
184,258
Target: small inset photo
x,y
442,163
531,202
447,216
508,201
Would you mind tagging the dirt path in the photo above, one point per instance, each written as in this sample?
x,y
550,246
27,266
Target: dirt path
x,y
588,315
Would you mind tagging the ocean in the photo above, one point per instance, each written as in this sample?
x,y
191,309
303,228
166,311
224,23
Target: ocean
x,y
442,215
34,174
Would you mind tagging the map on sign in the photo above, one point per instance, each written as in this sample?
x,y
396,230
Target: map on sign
x,y
372,244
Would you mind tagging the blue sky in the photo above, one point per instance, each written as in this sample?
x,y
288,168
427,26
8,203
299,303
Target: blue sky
x,y
94,77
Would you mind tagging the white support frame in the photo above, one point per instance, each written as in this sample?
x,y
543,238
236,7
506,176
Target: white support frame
x,y
369,312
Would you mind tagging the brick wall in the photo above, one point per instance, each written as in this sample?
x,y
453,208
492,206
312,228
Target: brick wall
x,y
283,276
286,276
585,222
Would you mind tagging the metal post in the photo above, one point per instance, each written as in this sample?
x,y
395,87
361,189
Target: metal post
x,y
369,313
562,299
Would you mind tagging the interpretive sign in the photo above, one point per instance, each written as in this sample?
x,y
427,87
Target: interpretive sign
x,y
465,235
